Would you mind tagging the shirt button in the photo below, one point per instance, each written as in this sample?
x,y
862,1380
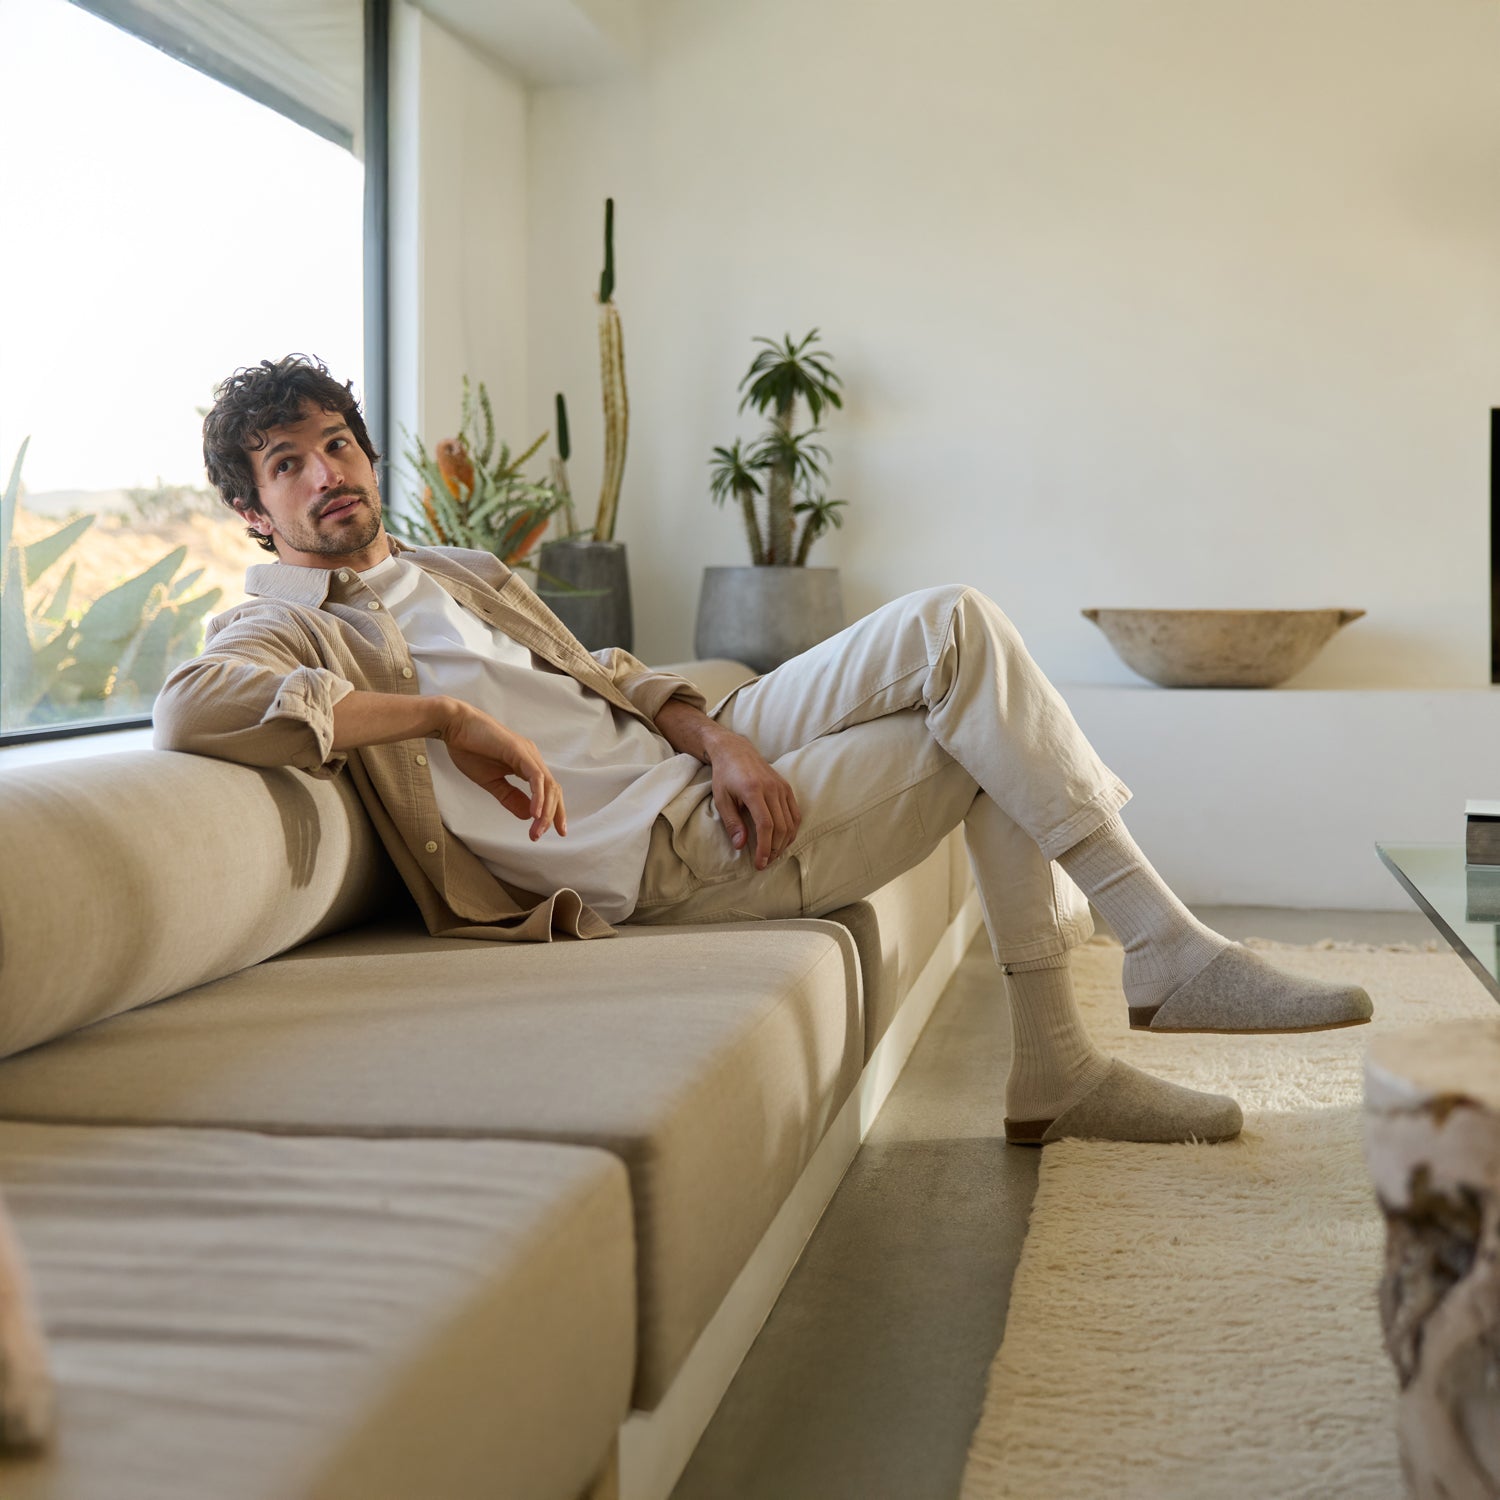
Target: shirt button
x,y
343,575
421,760
406,671
373,604
431,846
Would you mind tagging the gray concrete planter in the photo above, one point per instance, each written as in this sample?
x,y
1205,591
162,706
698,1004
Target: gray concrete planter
x,y
596,604
765,616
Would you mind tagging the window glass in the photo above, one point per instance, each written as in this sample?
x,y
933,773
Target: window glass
x,y
161,229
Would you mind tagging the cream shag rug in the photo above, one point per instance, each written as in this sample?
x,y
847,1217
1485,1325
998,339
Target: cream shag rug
x,y
1196,1322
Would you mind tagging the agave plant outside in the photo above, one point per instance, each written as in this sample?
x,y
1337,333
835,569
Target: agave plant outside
x,y
61,659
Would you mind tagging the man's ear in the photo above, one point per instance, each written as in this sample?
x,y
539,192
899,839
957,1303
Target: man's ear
x,y
254,518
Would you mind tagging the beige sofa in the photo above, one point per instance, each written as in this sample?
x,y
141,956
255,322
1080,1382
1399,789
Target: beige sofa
x,y
319,1206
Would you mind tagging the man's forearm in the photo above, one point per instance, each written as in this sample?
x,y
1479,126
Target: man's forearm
x,y
746,789
480,747
361,719
691,730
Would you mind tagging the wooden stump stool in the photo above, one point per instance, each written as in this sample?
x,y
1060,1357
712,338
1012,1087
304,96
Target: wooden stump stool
x,y
1432,1140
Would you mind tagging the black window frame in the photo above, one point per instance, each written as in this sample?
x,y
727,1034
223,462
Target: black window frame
x,y
132,18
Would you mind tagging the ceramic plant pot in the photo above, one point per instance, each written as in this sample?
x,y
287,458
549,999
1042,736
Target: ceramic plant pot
x,y
586,584
765,616
1223,648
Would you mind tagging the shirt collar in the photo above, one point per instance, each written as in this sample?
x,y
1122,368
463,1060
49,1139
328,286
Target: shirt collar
x,y
294,585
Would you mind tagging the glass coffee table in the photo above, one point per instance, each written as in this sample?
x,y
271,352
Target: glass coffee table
x,y
1461,901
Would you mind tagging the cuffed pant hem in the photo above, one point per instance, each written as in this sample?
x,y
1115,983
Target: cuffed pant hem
x,y
1073,933
1089,818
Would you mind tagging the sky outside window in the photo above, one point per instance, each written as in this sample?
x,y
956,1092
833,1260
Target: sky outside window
x,y
160,230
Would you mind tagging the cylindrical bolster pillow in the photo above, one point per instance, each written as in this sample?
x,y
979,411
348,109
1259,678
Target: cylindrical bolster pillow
x,y
126,878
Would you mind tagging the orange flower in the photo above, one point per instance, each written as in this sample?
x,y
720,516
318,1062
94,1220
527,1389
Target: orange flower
x,y
456,467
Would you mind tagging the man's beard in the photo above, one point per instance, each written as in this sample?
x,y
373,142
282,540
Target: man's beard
x,y
361,529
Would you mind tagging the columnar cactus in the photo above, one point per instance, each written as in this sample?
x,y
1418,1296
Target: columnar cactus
x,y
612,373
560,466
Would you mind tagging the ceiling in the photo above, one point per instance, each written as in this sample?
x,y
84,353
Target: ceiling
x,y
546,41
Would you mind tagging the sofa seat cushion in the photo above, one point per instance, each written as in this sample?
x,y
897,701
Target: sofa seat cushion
x,y
711,1059
897,929
251,1317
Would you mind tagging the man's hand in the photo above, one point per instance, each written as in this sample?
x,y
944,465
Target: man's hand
x,y
487,752
746,788
481,747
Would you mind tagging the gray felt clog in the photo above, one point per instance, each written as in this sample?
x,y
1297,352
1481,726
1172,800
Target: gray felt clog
x,y
1129,1105
1240,992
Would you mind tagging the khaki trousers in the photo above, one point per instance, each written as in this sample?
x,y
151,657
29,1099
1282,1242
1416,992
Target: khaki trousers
x,y
927,714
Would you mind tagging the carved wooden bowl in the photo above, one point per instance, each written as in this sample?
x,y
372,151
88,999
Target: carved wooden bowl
x,y
1222,648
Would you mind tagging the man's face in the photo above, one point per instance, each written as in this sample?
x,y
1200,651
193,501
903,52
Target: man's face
x,y
318,493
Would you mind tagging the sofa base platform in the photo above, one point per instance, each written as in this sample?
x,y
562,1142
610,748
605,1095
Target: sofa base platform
x,y
655,1446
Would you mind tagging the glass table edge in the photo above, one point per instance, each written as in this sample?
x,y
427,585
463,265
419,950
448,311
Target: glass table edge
x,y
1486,973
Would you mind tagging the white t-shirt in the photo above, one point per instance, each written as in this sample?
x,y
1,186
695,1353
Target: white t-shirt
x,y
616,775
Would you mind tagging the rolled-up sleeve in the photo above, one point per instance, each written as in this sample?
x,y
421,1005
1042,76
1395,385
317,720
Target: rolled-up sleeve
x,y
647,689
254,697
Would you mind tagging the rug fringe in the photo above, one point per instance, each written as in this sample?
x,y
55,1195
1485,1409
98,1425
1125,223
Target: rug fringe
x,y
1323,945
1337,945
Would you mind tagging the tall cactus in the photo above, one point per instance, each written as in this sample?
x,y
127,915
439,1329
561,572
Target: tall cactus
x,y
560,466
612,373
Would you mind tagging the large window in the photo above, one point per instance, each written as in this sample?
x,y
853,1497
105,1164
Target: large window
x,y
165,221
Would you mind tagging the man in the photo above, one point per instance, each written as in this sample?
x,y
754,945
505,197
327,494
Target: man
x,y
441,681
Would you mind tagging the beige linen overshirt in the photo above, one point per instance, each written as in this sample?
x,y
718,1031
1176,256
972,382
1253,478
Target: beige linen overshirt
x,y
264,688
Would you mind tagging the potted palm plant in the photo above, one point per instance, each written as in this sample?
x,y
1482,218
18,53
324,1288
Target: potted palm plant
x,y
778,606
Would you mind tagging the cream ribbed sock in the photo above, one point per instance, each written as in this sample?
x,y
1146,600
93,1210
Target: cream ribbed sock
x,y
1165,944
1053,1062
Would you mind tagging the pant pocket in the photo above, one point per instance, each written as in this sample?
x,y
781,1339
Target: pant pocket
x,y
841,864
701,842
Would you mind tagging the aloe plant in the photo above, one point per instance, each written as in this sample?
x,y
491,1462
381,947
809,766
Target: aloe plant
x,y
474,493
782,376
58,661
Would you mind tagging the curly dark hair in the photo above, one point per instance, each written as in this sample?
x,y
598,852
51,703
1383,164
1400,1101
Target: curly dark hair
x,y
250,403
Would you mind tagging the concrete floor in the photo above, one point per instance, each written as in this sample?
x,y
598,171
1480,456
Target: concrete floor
x,y
868,1377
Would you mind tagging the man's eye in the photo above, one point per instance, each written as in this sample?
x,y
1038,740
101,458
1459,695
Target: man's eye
x,y
282,465
338,443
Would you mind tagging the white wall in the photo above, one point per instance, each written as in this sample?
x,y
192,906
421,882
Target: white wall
x,y
1174,302
458,231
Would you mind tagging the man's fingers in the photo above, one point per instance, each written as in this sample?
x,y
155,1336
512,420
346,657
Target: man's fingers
x,y
552,817
730,818
765,832
512,799
786,823
546,808
794,815
555,817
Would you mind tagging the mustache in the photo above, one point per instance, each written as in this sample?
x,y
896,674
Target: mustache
x,y
349,492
